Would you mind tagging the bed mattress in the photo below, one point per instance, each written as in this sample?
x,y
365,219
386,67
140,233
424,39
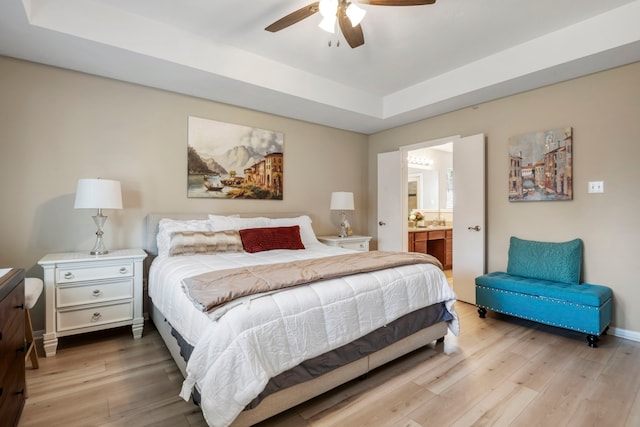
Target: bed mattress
x,y
326,362
235,356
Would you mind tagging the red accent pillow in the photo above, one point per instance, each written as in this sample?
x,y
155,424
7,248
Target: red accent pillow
x,y
266,239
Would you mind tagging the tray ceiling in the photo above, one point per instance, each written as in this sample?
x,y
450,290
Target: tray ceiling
x,y
416,62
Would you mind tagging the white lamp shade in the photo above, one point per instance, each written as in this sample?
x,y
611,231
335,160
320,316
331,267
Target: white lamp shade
x,y
355,14
342,201
328,8
328,24
98,194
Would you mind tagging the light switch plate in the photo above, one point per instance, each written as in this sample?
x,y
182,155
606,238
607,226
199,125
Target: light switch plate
x,y
596,187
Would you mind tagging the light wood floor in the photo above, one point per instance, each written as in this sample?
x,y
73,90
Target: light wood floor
x,y
499,371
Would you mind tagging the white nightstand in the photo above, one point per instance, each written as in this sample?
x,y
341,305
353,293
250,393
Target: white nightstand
x,y
358,243
85,293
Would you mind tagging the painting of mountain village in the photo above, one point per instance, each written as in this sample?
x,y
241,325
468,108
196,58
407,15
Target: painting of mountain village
x,y
541,166
229,161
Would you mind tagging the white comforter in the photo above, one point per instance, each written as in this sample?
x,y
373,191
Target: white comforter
x,y
235,356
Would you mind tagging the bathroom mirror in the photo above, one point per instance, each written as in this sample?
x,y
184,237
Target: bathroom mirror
x,y
423,189
414,192
430,172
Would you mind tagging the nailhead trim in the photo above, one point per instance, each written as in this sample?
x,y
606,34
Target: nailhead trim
x,y
548,300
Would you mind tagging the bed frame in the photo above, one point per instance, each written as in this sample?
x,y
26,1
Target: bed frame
x,y
292,396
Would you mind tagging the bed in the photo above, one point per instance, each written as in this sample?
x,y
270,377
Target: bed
x,y
256,356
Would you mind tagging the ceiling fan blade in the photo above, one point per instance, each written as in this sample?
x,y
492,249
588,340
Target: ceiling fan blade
x,y
353,35
292,18
397,2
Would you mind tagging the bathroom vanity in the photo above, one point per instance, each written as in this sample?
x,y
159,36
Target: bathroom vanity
x,y
436,241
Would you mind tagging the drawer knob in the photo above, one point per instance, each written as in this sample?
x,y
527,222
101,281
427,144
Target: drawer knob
x,y
96,293
123,270
96,316
68,275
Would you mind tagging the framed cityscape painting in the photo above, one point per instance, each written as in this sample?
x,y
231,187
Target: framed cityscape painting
x,y
229,161
541,166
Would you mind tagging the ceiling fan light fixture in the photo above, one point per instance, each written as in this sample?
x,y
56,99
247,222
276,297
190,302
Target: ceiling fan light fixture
x,y
344,12
328,24
355,14
328,8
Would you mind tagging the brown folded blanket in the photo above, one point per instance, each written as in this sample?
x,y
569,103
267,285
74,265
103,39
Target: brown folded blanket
x,y
213,289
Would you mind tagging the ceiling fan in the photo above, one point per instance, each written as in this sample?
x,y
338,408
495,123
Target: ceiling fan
x,y
345,12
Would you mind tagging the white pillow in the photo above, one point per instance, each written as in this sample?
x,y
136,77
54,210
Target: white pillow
x,y
304,222
219,223
168,226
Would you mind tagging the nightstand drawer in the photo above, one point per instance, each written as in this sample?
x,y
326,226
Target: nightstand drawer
x,y
356,243
94,316
94,292
357,246
78,273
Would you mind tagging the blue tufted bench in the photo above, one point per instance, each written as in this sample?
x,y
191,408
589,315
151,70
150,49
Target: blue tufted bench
x,y
542,283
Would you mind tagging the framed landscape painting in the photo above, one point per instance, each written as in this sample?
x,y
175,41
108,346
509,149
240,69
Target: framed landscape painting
x,y
229,161
540,166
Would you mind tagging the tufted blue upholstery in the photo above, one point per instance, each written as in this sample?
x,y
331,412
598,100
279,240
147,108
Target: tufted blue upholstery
x,y
558,262
585,294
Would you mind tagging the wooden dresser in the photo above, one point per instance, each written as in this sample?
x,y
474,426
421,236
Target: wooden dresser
x,y
12,346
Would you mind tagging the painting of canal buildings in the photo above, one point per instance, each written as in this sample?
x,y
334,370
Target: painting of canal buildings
x,y
228,161
541,166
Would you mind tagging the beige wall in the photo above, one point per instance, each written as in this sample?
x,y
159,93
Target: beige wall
x,y
604,111
57,126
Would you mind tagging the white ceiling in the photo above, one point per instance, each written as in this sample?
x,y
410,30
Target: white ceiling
x,y
416,62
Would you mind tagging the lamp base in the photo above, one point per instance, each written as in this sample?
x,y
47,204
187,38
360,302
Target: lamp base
x,y
343,224
99,248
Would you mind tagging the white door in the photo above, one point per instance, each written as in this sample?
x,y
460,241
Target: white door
x,y
468,212
468,215
391,231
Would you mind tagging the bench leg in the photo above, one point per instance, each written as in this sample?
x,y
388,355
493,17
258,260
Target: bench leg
x,y
593,340
482,312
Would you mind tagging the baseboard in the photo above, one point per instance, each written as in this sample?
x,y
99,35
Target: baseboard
x,y
626,334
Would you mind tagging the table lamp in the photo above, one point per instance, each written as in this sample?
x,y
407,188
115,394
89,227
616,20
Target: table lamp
x,y
342,201
98,194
